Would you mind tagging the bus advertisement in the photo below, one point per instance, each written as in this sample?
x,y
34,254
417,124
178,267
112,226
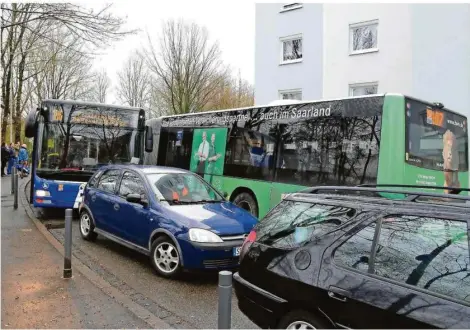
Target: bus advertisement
x,y
72,139
258,154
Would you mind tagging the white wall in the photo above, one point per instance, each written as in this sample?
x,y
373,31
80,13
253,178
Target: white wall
x,y
441,54
390,66
270,77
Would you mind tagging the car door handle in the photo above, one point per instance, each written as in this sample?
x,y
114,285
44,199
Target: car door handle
x,y
338,293
93,198
116,207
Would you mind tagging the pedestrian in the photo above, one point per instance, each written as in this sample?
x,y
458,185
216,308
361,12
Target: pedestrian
x,y
5,155
12,158
23,161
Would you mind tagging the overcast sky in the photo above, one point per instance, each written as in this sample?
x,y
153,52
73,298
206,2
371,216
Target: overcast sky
x,y
231,23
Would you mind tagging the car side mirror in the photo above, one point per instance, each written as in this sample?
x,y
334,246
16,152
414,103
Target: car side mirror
x,y
133,198
148,139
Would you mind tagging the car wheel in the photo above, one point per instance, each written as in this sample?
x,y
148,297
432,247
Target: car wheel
x,y
165,257
247,202
86,227
301,320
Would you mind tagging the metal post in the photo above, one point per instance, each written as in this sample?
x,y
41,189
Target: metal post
x,y
15,187
12,173
68,244
225,299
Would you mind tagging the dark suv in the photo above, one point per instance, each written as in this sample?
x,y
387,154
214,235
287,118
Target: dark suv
x,y
356,258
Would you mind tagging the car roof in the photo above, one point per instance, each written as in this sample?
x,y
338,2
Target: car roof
x,y
442,203
147,169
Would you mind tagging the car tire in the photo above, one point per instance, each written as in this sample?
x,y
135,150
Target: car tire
x,y
302,319
165,257
87,228
247,202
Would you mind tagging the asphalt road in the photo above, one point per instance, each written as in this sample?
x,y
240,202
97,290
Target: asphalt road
x,y
190,302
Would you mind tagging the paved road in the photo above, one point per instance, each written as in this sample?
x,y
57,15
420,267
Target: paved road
x,y
190,302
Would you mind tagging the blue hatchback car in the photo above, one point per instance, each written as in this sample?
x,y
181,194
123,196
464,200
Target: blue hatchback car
x,y
169,214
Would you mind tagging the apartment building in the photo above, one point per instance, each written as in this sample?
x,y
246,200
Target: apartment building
x,y
314,51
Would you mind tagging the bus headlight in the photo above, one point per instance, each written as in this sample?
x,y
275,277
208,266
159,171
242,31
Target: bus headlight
x,y
43,193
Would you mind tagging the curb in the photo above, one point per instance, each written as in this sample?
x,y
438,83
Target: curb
x,y
139,311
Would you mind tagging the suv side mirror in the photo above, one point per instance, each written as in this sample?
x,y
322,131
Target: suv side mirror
x,y
148,139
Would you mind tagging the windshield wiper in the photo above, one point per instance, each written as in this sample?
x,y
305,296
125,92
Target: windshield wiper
x,y
208,201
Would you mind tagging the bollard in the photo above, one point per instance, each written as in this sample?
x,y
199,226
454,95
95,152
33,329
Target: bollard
x,y
15,188
68,244
12,173
225,299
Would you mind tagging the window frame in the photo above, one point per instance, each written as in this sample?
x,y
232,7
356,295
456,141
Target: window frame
x,y
298,5
289,38
363,85
352,26
95,179
118,181
290,91
146,195
378,219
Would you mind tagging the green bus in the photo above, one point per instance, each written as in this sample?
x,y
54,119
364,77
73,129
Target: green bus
x,y
258,154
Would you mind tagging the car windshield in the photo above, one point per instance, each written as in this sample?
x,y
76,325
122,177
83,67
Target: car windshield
x,y
183,188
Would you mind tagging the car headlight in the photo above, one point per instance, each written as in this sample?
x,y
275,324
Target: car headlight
x,y
203,236
43,193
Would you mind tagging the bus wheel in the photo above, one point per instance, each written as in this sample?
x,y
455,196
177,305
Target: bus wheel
x,y
247,202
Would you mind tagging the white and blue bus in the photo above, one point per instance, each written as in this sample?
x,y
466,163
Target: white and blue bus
x,y
74,138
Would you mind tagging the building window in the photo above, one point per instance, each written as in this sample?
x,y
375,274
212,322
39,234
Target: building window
x,y
293,94
291,49
363,89
291,6
363,37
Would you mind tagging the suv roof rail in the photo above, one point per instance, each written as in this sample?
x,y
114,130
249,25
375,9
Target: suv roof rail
x,y
412,195
415,186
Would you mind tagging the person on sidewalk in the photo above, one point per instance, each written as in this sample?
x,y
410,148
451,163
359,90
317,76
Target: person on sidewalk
x,y
23,161
11,159
5,155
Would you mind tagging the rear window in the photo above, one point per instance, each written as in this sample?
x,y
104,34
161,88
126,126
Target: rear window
x,y
292,224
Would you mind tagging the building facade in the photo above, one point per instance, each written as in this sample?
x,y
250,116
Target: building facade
x,y
318,51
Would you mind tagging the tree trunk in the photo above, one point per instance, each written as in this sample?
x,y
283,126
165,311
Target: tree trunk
x,y
18,110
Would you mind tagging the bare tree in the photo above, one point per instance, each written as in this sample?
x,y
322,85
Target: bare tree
x,y
187,67
27,27
134,82
101,86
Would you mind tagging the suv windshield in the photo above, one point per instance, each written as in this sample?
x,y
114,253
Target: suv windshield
x,y
292,224
182,188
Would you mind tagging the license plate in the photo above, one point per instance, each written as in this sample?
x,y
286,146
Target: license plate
x,y
236,251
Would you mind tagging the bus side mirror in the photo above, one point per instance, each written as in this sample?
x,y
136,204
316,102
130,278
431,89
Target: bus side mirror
x,y
148,139
30,123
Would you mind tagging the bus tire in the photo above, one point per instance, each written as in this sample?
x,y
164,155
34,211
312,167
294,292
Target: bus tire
x,y
246,201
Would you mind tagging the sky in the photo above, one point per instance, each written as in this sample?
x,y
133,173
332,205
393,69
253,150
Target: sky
x,y
232,23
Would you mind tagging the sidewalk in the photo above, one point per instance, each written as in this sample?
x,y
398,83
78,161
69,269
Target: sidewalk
x,y
34,294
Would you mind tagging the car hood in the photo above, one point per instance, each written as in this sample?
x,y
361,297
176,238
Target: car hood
x,y
221,218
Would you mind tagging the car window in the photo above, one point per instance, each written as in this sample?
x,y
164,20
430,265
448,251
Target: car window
x,y
94,179
427,252
131,183
109,180
292,224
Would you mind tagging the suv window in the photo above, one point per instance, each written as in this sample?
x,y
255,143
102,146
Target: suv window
x,y
109,180
427,252
131,183
292,224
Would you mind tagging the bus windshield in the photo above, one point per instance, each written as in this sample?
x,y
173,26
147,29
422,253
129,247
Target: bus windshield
x,y
436,138
82,139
